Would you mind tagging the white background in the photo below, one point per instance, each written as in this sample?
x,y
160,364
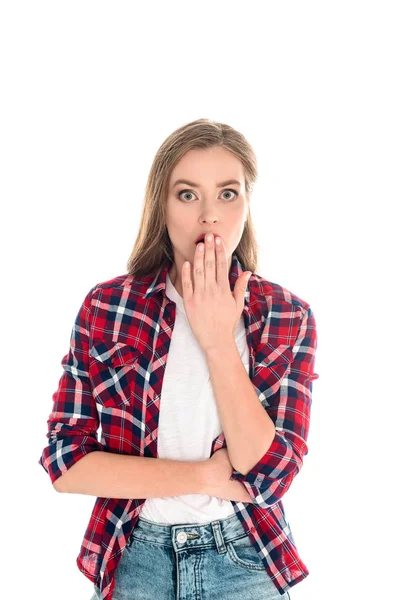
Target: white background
x,y
89,91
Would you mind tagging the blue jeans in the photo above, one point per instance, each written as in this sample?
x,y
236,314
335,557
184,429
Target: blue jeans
x,y
214,561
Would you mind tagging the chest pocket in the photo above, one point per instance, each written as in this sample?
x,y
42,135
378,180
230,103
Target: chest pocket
x,y
112,370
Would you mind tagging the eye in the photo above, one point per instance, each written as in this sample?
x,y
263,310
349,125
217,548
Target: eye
x,y
184,192
224,192
233,192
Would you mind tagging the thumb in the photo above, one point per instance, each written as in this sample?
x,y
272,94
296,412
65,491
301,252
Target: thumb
x,y
246,277
241,285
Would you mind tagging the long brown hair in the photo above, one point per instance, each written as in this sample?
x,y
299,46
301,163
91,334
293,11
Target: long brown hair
x,y
153,246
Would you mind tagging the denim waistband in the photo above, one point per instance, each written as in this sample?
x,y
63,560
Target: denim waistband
x,y
190,535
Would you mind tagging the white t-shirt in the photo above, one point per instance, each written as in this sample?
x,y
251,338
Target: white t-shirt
x,y
189,419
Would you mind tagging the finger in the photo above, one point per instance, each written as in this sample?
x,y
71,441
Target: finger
x,y
210,275
198,268
222,263
187,286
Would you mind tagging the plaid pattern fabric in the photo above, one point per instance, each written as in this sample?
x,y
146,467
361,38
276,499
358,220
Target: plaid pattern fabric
x,y
113,374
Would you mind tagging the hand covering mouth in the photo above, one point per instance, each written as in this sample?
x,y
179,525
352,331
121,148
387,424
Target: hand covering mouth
x,y
202,236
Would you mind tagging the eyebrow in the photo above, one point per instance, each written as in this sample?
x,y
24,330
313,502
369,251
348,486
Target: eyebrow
x,y
221,184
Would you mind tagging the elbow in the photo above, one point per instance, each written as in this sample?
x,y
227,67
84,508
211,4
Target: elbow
x,y
56,486
59,484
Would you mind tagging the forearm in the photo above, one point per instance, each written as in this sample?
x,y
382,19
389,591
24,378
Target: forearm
x,y
109,475
248,429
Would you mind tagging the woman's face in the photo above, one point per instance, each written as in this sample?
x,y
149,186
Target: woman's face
x,y
203,204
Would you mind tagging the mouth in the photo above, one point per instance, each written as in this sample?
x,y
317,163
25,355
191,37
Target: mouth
x,y
201,238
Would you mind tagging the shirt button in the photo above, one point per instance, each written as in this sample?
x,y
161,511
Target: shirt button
x,y
181,537
252,530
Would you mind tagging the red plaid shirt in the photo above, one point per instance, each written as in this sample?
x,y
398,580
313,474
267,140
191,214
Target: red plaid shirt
x,y
117,358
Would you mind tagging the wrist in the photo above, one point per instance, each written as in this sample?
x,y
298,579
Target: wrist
x,y
220,347
203,476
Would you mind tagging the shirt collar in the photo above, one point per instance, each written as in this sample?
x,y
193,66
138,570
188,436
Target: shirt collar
x,y
159,282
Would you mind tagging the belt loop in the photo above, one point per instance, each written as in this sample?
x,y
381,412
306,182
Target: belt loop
x,y
218,536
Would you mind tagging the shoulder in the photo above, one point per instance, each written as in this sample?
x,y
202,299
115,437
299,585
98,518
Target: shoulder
x,y
120,284
275,293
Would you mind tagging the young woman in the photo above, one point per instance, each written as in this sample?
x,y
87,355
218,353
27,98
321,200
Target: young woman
x,y
201,381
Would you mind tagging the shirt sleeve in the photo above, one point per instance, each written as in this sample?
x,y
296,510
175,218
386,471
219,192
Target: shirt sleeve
x,y
289,408
74,420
